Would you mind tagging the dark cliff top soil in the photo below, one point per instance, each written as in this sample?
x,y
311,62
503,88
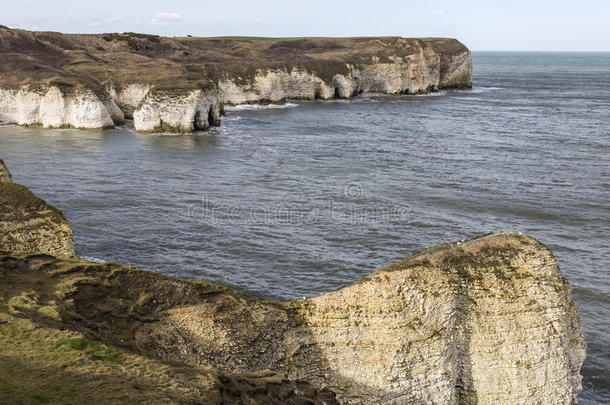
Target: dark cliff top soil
x,y
73,60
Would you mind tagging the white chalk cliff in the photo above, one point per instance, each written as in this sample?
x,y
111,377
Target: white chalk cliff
x,y
412,74
54,80
176,112
50,108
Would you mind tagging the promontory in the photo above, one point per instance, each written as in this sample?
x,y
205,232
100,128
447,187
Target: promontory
x,y
54,80
484,321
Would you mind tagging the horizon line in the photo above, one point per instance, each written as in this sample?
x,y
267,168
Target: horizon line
x,y
321,37
542,50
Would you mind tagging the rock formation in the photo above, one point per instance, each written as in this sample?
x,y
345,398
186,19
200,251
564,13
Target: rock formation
x,y
58,80
426,330
5,175
49,107
489,320
183,112
29,224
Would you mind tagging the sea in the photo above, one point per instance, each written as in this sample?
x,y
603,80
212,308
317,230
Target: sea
x,y
299,199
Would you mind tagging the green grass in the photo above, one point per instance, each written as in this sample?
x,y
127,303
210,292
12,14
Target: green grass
x,y
247,38
41,365
435,39
271,39
96,350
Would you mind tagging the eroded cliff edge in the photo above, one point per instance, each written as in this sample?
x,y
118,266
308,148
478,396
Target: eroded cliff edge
x,y
58,80
489,320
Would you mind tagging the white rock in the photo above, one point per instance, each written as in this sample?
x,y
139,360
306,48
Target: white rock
x,y
177,112
275,86
415,73
130,97
50,108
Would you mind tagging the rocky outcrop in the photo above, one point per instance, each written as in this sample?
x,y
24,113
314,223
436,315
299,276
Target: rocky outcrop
x,y
5,174
129,98
485,321
50,107
273,86
29,224
55,80
489,320
426,330
174,111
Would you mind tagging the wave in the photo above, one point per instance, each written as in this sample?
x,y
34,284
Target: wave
x,y
93,259
477,90
432,94
255,107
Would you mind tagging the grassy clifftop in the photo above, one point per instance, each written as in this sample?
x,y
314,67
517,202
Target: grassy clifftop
x,y
192,62
54,318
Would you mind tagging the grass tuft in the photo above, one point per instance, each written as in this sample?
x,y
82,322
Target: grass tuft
x,y
96,350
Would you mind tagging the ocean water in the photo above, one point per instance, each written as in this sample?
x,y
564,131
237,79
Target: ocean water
x,y
302,199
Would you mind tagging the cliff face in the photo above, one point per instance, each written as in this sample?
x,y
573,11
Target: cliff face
x,y
182,112
489,320
486,321
49,107
397,66
166,84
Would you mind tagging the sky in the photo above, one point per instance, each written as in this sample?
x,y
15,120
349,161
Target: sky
x,y
532,25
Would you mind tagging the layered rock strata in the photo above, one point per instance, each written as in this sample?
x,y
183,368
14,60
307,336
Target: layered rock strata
x,y
486,321
489,320
55,80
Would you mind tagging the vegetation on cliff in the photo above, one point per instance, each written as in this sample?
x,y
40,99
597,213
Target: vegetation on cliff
x,y
43,360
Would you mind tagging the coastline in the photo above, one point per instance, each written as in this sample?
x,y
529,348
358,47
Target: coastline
x,y
181,85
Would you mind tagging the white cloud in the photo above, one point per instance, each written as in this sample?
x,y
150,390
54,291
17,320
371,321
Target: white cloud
x,y
438,12
166,19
